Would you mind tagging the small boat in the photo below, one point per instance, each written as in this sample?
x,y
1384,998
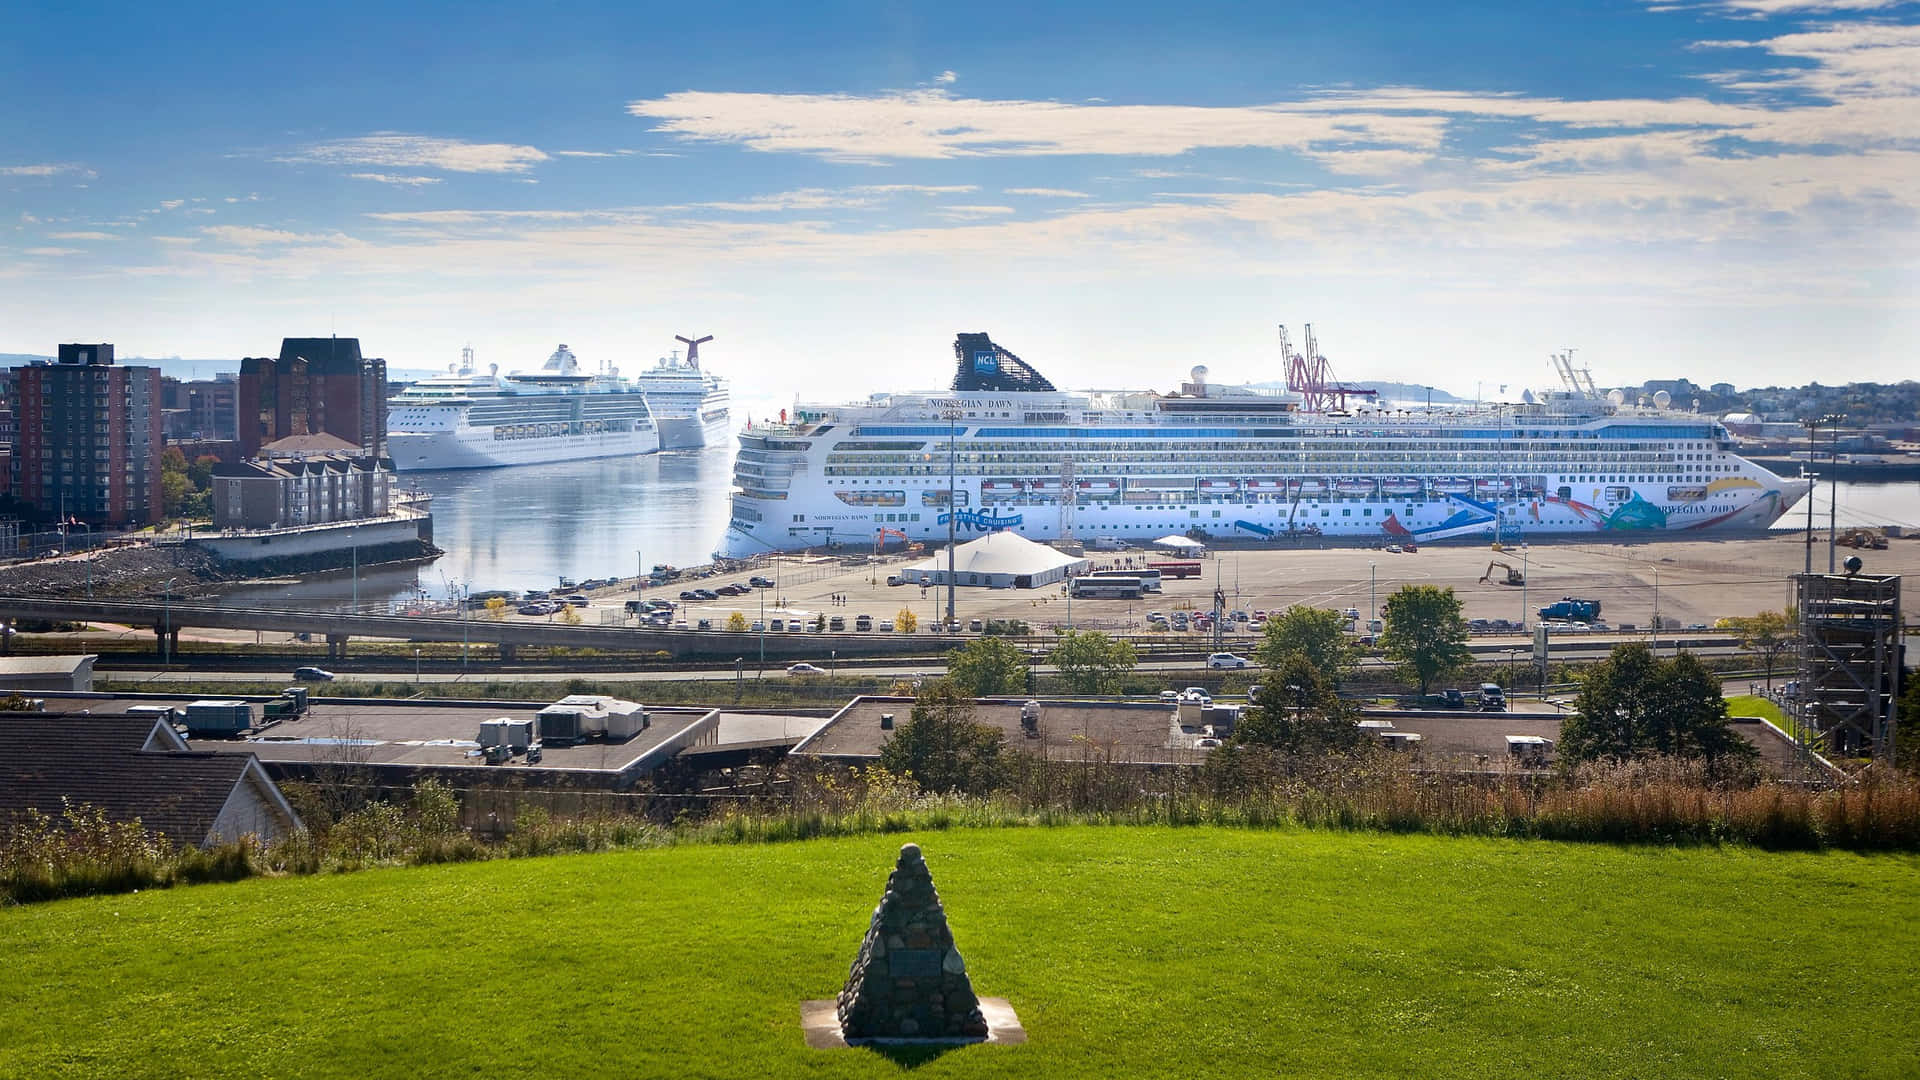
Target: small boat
x,y
1002,487
1099,486
1492,486
1264,485
1400,485
1309,488
1219,487
1045,487
1354,487
1453,485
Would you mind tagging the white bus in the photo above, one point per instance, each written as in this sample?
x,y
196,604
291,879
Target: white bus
x,y
1149,579
1106,588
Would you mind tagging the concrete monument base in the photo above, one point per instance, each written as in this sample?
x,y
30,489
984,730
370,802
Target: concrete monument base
x,y
820,1022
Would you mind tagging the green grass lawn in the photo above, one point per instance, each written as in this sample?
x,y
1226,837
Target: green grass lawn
x,y
1126,951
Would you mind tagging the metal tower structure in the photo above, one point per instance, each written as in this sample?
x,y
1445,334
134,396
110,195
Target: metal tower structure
x,y
1310,376
1579,381
1850,658
693,348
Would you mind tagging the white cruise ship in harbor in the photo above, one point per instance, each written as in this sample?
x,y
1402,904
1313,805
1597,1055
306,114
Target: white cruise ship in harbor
x,y
1223,462
470,420
689,405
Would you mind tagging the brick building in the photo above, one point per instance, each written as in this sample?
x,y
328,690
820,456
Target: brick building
x,y
315,385
88,438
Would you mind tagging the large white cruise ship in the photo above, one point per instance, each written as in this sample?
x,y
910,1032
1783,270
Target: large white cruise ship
x,y
470,420
689,405
1221,462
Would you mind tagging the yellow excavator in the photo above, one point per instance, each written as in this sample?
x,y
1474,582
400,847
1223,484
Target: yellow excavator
x,y
1514,577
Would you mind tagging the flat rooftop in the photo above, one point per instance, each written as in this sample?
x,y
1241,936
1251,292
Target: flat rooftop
x,y
1124,732
441,734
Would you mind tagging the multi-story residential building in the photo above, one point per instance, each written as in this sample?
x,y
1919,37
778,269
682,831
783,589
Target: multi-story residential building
x,y
315,385
301,480
202,410
89,436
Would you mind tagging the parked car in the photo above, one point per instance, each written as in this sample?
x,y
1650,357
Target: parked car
x,y
732,590
688,594
705,594
759,582
777,626
975,626
312,674
1226,660
1450,698
757,627
837,623
804,669
577,600
1169,695
885,626
538,607
703,624
1197,694
1492,697
864,623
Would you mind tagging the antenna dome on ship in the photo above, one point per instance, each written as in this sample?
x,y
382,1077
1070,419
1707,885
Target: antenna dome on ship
x,y
1199,373
1616,397
1662,399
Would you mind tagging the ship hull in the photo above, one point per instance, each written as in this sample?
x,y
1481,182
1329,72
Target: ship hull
x,y
760,525
694,432
475,448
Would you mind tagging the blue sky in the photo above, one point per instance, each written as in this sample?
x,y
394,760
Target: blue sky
x,y
1721,189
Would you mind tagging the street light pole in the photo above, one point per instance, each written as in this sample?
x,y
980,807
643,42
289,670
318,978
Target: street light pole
x,y
416,667
166,637
356,569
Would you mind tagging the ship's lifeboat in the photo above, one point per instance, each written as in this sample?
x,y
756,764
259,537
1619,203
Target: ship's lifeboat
x,y
1264,485
1045,487
1354,487
1400,485
1453,485
1219,487
1309,488
1099,487
1493,486
1002,487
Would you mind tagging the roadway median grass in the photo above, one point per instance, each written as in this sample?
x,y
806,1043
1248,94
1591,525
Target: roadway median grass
x,y
1127,951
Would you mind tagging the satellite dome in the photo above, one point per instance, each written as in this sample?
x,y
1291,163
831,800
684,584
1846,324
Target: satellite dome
x,y
1616,397
1199,373
1662,399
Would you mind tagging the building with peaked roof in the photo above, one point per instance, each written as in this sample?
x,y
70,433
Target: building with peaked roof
x,y
291,487
1000,560
136,768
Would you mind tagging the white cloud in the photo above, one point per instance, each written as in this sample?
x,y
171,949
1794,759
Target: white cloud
x,y
946,77
172,204
1368,162
62,169
1046,192
1783,7
249,236
395,150
934,124
964,213
584,153
81,236
54,252
249,197
390,178
856,197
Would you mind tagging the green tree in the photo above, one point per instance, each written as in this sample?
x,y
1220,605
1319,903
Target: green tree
x,y
1316,633
1634,704
942,747
1298,712
174,489
1906,724
1092,662
1425,633
201,471
986,666
1768,635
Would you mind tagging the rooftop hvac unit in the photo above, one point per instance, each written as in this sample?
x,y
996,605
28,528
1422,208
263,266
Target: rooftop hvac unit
x,y
523,733
625,724
495,732
1030,719
565,725
218,717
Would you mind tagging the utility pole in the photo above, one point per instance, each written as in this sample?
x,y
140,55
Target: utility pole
x,y
1656,611
1833,494
953,507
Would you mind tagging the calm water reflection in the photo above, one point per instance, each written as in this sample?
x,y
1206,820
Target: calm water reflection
x,y
525,527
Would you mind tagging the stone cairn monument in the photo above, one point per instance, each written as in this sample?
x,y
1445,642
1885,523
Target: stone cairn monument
x,y
908,981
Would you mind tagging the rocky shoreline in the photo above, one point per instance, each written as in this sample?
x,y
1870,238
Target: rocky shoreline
x,y
143,570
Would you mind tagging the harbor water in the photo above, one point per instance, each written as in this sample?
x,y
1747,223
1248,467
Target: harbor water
x,y
527,527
